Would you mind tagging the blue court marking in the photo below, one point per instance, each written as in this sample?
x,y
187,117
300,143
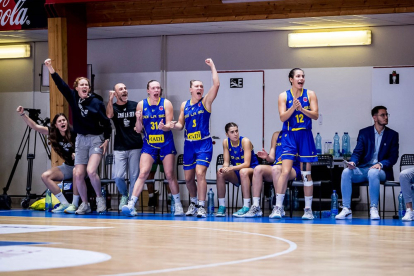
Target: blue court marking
x,y
11,243
228,218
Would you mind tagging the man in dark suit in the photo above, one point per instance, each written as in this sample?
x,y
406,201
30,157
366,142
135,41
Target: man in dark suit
x,y
372,160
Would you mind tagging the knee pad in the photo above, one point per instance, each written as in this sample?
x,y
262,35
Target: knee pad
x,y
305,178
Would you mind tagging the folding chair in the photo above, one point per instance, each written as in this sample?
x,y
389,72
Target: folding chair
x,y
406,160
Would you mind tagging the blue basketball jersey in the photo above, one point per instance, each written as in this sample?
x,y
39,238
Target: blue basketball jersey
x,y
197,121
297,120
237,154
151,117
279,149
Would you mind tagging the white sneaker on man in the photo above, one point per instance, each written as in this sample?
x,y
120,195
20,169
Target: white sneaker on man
x,y
344,214
374,213
83,209
409,215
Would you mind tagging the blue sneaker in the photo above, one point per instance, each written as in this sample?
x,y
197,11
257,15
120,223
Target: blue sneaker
x,y
221,211
240,213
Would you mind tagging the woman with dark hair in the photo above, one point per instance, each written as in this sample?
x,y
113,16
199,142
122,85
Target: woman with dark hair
x,y
297,108
62,139
93,128
237,152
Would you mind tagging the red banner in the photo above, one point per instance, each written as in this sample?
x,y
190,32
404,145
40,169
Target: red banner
x,y
22,14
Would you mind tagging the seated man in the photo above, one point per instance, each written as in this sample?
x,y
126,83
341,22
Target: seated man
x,y
406,179
372,160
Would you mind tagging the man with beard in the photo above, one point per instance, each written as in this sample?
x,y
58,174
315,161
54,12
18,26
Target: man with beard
x,y
372,160
128,143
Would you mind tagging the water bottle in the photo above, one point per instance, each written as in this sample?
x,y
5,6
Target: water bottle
x,y
48,201
336,145
210,196
286,202
295,199
401,206
318,142
334,204
345,145
172,206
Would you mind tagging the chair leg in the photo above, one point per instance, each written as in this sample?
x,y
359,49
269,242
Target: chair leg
x,y
393,197
320,201
368,200
291,202
228,196
383,204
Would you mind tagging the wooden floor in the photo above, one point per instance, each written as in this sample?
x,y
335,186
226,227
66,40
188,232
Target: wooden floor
x,y
195,247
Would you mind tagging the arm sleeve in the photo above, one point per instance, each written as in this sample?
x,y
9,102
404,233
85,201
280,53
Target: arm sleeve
x,y
62,86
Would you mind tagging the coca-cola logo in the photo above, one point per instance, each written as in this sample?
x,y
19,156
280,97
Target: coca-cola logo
x,y
13,14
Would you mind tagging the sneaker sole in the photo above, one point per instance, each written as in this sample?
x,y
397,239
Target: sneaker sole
x,y
127,212
275,217
179,214
343,218
201,216
69,212
257,215
239,216
305,218
220,215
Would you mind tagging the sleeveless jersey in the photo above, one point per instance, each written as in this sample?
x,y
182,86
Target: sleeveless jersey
x,y
298,120
237,154
197,120
151,117
279,149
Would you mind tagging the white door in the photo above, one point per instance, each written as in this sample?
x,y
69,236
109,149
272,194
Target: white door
x,y
239,100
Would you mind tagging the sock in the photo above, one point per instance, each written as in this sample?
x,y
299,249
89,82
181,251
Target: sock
x,y
75,200
308,202
246,202
222,202
201,203
279,200
193,200
134,199
256,201
177,199
151,195
62,198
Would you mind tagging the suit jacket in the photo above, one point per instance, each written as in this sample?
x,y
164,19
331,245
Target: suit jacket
x,y
388,150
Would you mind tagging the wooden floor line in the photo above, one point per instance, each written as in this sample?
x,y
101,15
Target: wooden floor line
x,y
292,247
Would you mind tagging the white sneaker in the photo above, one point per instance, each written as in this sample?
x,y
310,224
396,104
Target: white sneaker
x,y
344,214
374,213
192,210
129,210
308,214
201,212
409,215
71,209
83,209
60,209
178,210
277,213
254,212
100,205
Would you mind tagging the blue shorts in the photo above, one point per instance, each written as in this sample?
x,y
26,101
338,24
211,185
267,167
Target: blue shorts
x,y
296,167
159,152
197,153
299,143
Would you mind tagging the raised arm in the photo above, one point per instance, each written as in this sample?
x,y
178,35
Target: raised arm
x,y
110,105
283,113
138,114
212,93
41,129
313,113
60,83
